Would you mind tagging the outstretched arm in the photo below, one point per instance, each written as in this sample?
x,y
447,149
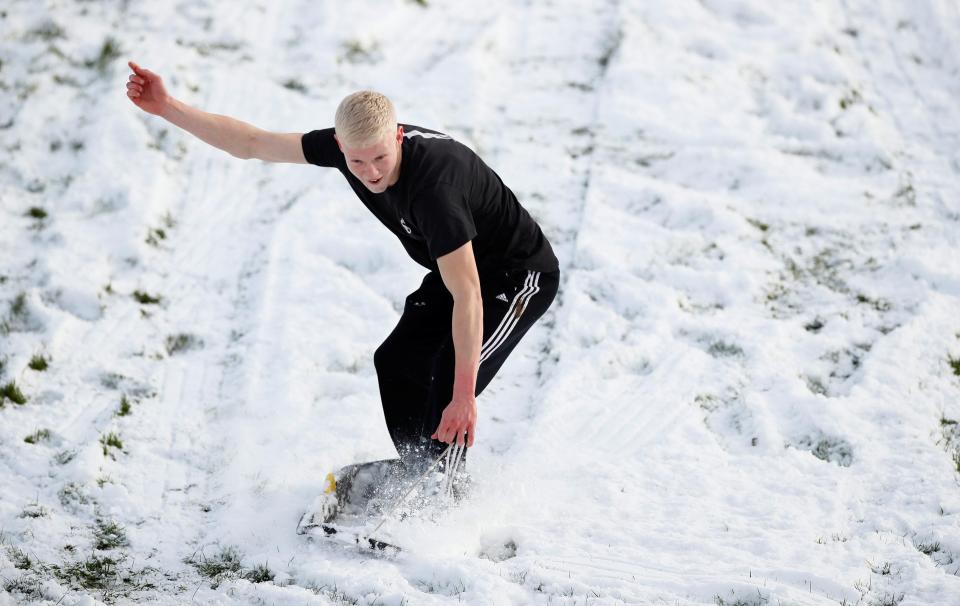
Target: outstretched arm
x,y
240,139
459,272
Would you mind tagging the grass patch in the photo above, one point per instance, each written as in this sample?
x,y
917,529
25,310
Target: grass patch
x,y
928,549
18,319
109,52
760,600
144,298
828,449
39,363
816,386
64,456
355,51
155,236
954,364
883,569
759,224
34,511
21,561
11,392
73,495
850,99
334,594
109,535
48,31
722,349
833,450
181,343
95,572
110,440
30,586
223,564
36,212
880,305
18,307
125,407
295,85
260,573
950,430
40,435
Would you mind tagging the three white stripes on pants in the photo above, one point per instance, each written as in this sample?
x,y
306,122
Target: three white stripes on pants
x,y
512,317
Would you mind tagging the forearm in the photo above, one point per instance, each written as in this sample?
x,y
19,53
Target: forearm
x,y
223,132
467,341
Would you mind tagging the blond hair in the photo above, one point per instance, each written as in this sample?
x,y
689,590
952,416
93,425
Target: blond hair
x,y
363,118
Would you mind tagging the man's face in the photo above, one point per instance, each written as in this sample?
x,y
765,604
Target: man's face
x,y
377,166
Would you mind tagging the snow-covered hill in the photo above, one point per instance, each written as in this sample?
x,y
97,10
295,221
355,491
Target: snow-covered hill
x,y
746,392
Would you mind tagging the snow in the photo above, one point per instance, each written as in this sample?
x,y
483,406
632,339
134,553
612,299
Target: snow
x,y
745,393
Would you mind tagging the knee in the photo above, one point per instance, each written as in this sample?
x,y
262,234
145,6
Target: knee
x,y
391,359
382,357
396,360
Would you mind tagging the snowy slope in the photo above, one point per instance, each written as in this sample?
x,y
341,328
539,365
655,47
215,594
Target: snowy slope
x,y
746,392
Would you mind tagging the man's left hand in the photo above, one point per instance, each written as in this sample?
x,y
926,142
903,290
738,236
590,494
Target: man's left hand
x,y
459,421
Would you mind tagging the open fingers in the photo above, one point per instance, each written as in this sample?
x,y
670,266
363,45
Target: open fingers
x,y
448,433
464,436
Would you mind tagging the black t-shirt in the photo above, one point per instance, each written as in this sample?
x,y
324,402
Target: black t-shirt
x,y
445,196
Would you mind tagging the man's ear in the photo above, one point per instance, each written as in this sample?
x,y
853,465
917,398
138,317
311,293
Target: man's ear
x,y
399,133
338,142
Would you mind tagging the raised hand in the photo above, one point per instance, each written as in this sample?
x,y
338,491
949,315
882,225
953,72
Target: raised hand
x,y
146,90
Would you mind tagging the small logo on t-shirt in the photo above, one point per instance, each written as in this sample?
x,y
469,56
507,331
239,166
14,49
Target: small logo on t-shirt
x,y
404,225
502,297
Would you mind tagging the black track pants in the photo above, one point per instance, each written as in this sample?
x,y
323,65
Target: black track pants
x,y
416,362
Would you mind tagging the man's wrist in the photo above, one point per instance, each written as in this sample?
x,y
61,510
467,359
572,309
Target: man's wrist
x,y
170,109
464,397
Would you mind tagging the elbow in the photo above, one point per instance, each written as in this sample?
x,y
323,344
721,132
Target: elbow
x,y
470,295
246,147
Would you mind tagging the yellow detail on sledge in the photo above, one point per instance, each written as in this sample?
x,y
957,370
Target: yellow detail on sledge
x,y
331,484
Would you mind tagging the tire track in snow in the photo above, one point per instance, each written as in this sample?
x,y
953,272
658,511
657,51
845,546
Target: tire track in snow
x,y
194,268
620,418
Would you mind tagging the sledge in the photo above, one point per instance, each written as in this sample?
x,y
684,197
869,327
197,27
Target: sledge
x,y
365,495
344,508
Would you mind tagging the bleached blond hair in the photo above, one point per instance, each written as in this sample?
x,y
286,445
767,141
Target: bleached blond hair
x,y
363,118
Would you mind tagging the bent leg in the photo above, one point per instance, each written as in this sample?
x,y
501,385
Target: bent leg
x,y
404,361
527,295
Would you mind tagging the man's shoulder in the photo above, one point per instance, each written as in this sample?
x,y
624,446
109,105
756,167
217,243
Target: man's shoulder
x,y
320,147
411,131
436,151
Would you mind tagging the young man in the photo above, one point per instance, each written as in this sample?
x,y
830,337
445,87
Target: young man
x,y
492,272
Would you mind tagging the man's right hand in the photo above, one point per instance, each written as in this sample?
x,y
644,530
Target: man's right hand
x,y
233,136
146,90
